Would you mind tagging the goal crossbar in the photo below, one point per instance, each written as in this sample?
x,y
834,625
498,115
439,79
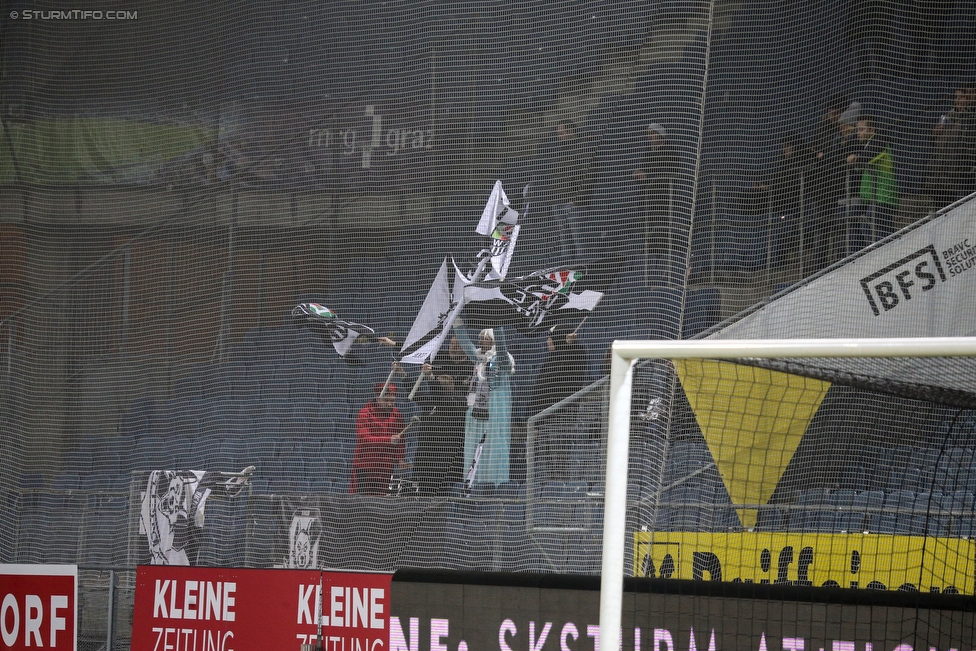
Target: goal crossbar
x,y
626,353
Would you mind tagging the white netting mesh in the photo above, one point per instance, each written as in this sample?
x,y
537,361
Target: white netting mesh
x,y
174,180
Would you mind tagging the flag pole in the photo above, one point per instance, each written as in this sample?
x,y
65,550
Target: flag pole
x,y
416,386
386,385
580,324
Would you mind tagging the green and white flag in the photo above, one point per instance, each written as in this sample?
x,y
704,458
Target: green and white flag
x,y
324,322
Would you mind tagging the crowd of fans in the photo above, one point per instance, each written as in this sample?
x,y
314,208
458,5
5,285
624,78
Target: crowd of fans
x,y
837,188
465,422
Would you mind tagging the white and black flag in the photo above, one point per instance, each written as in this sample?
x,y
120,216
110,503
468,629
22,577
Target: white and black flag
x,y
172,513
531,303
436,317
303,539
324,322
500,222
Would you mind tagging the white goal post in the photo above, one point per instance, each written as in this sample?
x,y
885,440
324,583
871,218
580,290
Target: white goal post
x,y
625,353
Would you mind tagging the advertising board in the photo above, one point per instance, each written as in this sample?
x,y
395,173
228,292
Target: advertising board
x,y
38,607
217,609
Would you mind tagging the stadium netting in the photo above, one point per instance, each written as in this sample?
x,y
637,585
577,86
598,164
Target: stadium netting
x,y
176,179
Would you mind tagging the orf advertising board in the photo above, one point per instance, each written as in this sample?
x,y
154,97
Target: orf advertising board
x,y
37,607
214,609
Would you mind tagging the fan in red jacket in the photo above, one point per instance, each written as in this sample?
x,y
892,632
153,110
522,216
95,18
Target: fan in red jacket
x,y
379,443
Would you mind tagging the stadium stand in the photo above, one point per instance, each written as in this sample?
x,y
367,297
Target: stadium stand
x,y
157,230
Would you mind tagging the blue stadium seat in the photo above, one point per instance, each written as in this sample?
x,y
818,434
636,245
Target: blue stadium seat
x,y
853,477
511,490
860,518
101,544
899,518
959,507
769,519
467,543
49,530
554,508
66,481
225,529
928,519
805,519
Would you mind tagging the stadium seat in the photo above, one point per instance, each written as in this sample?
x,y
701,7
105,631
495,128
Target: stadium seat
x,y
897,517
959,512
554,508
928,520
101,542
49,530
842,502
808,519
467,543
66,481
853,477
225,523
769,519
703,309
861,516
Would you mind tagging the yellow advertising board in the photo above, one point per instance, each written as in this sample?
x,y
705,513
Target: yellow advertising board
x,y
871,561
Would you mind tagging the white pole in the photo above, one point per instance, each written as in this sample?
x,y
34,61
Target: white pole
x,y
615,502
389,379
618,428
784,348
416,386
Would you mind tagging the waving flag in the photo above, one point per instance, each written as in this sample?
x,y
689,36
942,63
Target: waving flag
x,y
434,321
324,322
531,303
499,222
497,209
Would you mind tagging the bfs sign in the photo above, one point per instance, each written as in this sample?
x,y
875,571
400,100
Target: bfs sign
x,y
899,283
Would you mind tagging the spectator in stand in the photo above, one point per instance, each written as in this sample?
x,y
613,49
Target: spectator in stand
x,y
440,447
827,128
379,443
565,185
873,165
562,374
564,371
655,173
488,421
790,187
950,175
826,186
830,192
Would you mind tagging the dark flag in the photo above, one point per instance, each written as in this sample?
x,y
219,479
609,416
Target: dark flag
x,y
324,322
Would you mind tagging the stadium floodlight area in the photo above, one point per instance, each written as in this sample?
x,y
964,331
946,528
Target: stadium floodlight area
x,y
778,353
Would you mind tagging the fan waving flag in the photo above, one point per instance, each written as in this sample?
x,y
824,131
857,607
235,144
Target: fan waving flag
x,y
324,322
531,303
434,321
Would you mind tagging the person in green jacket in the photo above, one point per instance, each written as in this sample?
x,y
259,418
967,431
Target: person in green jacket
x,y
873,169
